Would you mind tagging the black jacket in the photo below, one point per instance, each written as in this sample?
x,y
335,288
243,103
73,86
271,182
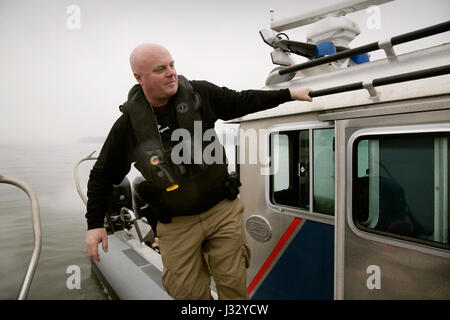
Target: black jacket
x,y
197,193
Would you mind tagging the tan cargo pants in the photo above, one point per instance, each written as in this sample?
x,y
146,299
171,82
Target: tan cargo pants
x,y
211,243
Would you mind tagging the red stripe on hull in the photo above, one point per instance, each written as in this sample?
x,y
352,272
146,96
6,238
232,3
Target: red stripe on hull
x,y
270,259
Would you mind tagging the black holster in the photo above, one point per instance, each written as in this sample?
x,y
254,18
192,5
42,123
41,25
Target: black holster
x,y
232,185
151,194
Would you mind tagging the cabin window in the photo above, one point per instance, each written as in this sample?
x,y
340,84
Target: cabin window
x,y
323,170
281,178
400,186
303,169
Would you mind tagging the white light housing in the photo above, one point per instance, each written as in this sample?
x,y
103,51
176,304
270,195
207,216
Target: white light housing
x,y
339,30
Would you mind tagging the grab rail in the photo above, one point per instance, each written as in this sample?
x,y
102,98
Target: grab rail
x,y
385,45
26,283
77,177
409,76
80,192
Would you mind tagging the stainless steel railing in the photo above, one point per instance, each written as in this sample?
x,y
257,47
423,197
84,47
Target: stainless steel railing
x,y
123,211
26,283
77,177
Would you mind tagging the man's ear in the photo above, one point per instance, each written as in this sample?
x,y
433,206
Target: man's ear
x,y
138,77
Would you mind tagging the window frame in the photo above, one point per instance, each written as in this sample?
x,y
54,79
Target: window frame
x,y
377,235
293,211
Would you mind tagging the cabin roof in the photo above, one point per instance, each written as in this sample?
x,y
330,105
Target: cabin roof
x,y
418,60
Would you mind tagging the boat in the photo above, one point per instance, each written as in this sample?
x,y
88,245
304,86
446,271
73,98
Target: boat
x,y
132,267
348,196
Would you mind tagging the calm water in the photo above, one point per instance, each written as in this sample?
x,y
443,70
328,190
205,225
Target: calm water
x,y
48,169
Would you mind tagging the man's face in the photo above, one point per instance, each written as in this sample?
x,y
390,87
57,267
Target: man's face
x,y
158,77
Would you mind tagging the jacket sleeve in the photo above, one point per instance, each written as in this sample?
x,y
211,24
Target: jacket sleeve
x,y
228,104
111,167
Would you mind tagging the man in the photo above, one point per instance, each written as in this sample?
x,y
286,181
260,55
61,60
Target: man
x,y
200,219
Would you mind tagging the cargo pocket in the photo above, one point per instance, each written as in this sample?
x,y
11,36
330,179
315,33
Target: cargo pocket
x,y
246,253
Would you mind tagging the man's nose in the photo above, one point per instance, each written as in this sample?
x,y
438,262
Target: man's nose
x,y
171,72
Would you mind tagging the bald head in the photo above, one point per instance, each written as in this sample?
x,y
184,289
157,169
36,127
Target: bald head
x,y
153,68
143,54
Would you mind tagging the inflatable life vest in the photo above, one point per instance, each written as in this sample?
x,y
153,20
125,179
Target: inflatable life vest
x,y
152,160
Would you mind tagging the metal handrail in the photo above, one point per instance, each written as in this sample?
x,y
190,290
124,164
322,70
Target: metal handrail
x,y
403,38
80,192
77,177
25,287
403,77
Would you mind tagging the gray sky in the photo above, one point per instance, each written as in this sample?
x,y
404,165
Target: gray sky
x,y
58,84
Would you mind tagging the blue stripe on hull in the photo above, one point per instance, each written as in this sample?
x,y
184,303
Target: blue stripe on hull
x,y
306,269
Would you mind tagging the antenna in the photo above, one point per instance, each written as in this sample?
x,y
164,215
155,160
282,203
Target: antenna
x,y
340,9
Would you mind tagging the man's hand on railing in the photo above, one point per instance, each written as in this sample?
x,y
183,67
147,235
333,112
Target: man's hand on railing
x,y
300,93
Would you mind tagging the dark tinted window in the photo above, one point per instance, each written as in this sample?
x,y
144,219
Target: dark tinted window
x,y
400,186
291,185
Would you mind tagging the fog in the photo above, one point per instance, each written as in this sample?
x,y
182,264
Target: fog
x,y
63,79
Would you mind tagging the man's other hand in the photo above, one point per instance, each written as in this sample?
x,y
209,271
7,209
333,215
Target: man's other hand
x,y
93,238
300,93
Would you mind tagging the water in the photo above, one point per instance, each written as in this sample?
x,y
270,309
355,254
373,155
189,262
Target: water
x,y
48,169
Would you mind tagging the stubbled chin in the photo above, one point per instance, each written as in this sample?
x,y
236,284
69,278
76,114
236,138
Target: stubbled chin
x,y
172,88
